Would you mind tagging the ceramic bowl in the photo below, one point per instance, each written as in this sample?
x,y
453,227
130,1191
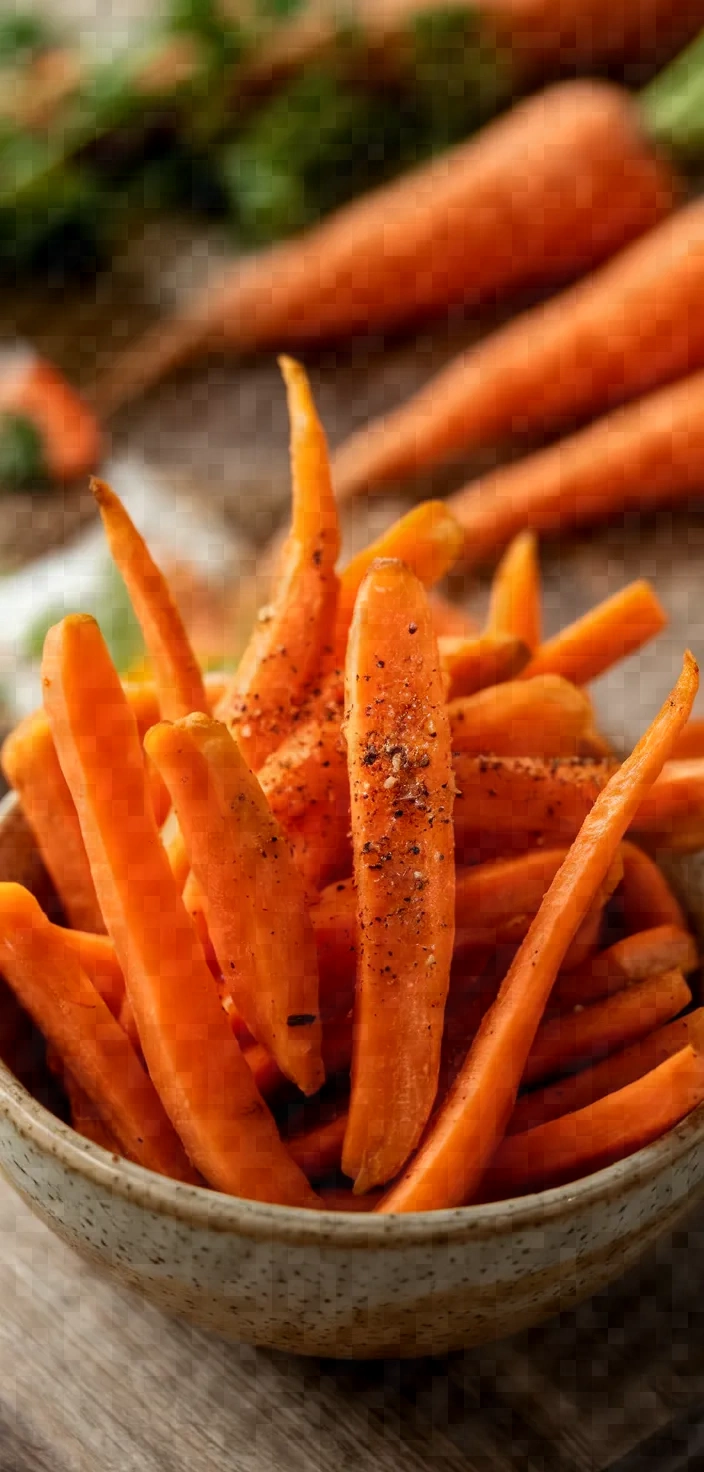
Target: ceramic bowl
x,y
332,1284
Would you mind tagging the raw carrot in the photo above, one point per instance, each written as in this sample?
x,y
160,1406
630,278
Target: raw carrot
x,y
472,664
177,674
632,959
546,716
613,1072
399,758
599,1134
515,600
646,897
647,454
32,768
49,981
593,346
254,898
588,182
607,633
449,1166
563,1042
192,1056
287,649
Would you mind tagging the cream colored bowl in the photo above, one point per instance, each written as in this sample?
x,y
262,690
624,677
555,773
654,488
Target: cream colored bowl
x,y
330,1284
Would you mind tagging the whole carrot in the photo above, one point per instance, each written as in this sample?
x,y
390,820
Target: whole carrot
x,y
636,458
449,1166
598,344
541,195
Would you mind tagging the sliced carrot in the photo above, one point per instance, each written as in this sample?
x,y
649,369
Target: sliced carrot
x,y
192,1056
337,1055
485,659
546,717
599,1134
178,678
449,1166
563,1042
646,897
515,602
98,959
255,904
399,758
339,1198
691,742
32,768
614,1072
49,981
306,785
86,1119
671,815
175,848
449,620
318,1150
288,646
608,633
636,957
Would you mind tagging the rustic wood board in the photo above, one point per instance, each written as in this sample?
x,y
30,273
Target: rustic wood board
x,y
90,1376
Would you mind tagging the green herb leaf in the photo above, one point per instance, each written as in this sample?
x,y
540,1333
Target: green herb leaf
x,y
22,460
23,36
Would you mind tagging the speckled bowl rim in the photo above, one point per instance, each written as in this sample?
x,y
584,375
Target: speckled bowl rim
x,y
213,1211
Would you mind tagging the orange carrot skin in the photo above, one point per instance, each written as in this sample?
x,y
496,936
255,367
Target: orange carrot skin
x,y
515,602
646,897
288,647
255,905
177,673
615,1126
578,1037
52,986
614,1072
636,458
449,1166
306,785
607,634
399,759
470,665
635,958
546,717
207,1091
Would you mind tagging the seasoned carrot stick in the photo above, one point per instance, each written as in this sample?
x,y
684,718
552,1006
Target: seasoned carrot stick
x,y
96,954
337,1055
608,633
599,1134
515,602
177,673
691,742
473,663
449,1166
636,957
564,1042
636,458
646,897
318,1150
31,766
399,758
255,906
546,716
192,1056
49,981
606,1077
449,621
87,1120
288,646
590,182
671,815
175,849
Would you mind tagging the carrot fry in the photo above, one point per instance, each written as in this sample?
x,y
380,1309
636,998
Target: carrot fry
x,y
563,1042
449,1166
486,659
256,914
288,646
515,603
599,1134
86,1119
31,766
175,849
337,1055
614,1072
306,786
319,1150
590,182
96,954
449,621
339,1198
546,717
691,742
608,633
646,897
207,1091
50,983
636,957
177,673
671,815
636,458
399,758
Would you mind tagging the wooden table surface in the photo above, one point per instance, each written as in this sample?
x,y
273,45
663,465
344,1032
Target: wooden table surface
x,y
92,1379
